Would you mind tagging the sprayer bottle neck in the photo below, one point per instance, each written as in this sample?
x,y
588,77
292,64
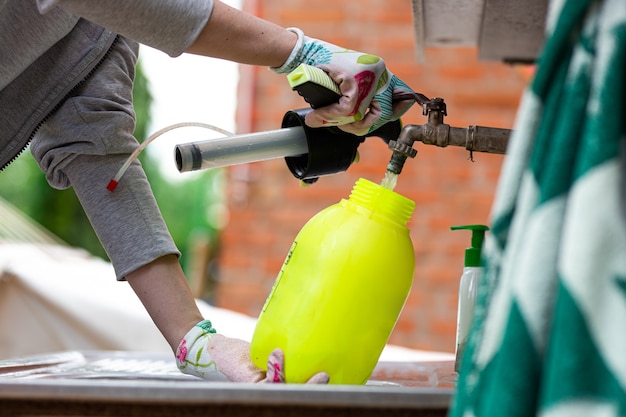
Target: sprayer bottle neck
x,y
382,201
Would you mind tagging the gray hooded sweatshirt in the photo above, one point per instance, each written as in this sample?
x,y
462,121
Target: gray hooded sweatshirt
x,y
66,78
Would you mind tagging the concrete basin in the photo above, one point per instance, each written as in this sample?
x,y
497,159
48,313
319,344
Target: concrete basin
x,y
105,383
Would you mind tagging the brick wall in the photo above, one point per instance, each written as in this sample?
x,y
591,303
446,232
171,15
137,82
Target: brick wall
x,y
268,206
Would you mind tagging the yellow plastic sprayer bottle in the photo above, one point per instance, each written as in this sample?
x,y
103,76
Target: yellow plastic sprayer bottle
x,y
341,288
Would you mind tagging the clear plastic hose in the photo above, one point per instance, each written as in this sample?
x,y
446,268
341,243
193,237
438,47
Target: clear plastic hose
x,y
116,179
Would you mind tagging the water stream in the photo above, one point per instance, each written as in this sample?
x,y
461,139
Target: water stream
x,y
390,180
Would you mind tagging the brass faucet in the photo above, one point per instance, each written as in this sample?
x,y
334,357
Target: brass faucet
x,y
436,132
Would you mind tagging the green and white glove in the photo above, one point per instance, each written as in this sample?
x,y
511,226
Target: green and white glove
x,y
202,352
192,354
367,86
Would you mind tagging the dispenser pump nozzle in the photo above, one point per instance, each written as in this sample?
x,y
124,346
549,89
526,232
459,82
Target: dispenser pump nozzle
x,y
472,254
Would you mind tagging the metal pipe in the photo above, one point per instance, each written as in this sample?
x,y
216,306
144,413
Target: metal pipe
x,y
474,139
480,139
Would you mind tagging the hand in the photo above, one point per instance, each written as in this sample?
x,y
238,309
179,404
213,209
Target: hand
x,y
202,352
368,88
232,357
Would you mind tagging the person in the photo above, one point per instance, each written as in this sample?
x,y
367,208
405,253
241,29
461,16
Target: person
x,y
66,78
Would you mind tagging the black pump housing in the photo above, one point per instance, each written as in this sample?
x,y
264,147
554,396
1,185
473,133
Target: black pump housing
x,y
330,149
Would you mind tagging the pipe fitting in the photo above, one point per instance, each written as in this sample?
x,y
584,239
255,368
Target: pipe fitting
x,y
403,147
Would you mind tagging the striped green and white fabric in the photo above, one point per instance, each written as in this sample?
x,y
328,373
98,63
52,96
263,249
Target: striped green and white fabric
x,y
549,336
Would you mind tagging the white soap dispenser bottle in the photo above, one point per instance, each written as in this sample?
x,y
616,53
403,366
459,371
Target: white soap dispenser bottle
x,y
468,288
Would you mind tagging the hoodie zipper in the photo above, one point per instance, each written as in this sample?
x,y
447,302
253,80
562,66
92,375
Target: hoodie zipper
x,y
60,103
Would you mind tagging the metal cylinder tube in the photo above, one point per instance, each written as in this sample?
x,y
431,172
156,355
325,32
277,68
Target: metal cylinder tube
x,y
240,149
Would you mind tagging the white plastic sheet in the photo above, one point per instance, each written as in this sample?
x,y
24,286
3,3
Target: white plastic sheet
x,y
56,299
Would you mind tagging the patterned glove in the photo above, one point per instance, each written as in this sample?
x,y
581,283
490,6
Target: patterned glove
x,y
202,352
367,86
192,354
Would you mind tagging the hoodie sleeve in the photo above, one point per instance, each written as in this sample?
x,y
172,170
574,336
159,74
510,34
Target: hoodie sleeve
x,y
168,25
83,144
